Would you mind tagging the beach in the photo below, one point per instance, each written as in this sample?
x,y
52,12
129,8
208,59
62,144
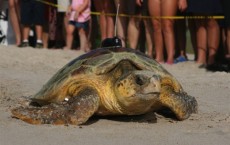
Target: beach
x,y
23,71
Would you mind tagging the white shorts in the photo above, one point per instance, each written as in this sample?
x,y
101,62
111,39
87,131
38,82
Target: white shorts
x,y
63,5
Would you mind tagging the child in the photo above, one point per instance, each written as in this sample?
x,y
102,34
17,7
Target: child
x,y
79,17
32,13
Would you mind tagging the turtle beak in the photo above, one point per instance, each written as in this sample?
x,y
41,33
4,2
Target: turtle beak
x,y
149,84
153,86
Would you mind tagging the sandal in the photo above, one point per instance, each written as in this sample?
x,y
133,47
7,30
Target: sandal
x,y
24,44
180,59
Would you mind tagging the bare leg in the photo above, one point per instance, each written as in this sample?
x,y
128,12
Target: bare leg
x,y
109,8
83,40
102,17
133,32
169,8
149,37
14,17
213,36
26,31
154,10
180,32
201,35
228,43
45,39
192,30
38,29
69,37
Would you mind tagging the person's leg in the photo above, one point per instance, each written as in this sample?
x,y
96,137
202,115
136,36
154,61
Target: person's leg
x,y
45,36
192,31
180,35
14,17
25,16
149,37
169,8
109,8
69,36
102,18
213,37
61,24
133,32
227,42
201,35
155,11
38,19
45,31
25,31
38,30
83,40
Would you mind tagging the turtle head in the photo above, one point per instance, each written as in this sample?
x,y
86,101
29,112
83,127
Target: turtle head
x,y
137,91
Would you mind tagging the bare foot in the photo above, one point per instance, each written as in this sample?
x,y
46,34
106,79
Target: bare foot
x,y
66,48
227,56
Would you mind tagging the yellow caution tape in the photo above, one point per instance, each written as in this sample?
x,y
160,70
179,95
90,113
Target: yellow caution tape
x,y
140,16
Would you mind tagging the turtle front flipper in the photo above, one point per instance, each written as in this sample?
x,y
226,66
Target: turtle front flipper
x,y
77,110
180,103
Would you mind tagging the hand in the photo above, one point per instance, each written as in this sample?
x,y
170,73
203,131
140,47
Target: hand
x,y
139,2
182,5
76,15
68,12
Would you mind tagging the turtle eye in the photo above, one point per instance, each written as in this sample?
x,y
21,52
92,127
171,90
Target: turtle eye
x,y
140,80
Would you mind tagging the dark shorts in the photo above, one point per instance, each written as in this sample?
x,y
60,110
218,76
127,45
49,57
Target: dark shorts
x,y
134,9
204,7
226,10
84,25
32,12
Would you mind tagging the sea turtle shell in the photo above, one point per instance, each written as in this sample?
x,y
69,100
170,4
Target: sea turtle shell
x,y
107,81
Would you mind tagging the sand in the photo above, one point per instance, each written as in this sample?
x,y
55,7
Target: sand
x,y
23,71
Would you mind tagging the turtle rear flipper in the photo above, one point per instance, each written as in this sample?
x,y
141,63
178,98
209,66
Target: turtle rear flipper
x,y
76,111
180,103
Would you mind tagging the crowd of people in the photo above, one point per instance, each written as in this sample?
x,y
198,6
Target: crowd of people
x,y
162,37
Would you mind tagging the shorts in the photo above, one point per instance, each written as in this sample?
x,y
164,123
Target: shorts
x,y
204,7
134,9
84,25
226,10
32,12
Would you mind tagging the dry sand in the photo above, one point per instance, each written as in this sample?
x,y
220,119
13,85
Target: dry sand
x,y
23,71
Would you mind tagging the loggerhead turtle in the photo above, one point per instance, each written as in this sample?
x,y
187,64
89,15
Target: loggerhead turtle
x,y
107,81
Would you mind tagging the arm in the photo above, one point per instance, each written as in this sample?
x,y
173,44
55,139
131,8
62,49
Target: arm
x,y
82,7
139,2
182,5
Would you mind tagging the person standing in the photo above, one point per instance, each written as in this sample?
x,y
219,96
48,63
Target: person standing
x,y
62,23
164,27
137,25
226,10
207,30
106,21
14,13
32,13
79,17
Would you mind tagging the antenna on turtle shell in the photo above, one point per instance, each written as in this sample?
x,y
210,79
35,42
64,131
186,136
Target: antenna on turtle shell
x,y
115,41
115,27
